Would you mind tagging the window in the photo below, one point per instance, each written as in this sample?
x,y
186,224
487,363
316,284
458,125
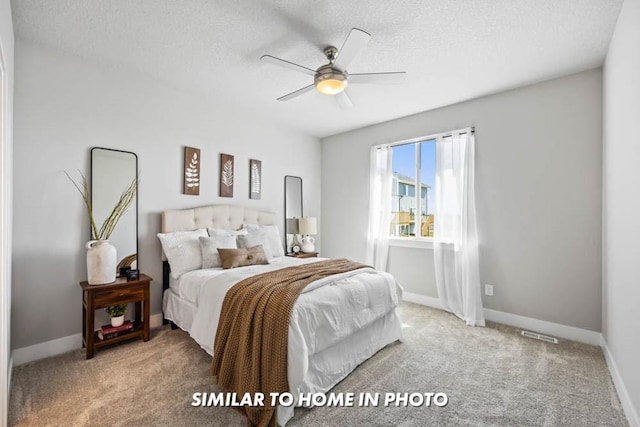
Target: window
x,y
412,212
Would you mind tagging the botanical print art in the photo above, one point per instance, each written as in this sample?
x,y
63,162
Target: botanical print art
x,y
226,175
191,171
255,179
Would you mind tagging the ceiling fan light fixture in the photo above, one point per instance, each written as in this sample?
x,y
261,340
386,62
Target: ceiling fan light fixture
x,y
329,81
331,86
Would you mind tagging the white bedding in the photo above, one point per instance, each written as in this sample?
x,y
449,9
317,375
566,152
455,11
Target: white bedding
x,y
360,305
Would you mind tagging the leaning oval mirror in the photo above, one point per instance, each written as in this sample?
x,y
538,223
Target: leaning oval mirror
x,y
111,172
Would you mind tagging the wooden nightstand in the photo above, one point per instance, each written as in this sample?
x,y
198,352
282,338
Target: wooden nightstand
x,y
303,254
121,291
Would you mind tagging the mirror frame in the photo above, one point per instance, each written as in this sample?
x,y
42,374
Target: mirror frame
x,y
286,178
135,156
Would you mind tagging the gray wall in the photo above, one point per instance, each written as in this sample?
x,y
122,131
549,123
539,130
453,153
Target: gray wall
x,y
414,269
63,107
538,192
621,287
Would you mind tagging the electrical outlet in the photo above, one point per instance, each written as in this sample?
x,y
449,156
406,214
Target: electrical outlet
x,y
488,290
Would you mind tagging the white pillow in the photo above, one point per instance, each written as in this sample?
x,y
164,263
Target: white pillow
x,y
210,245
182,249
214,232
255,237
273,238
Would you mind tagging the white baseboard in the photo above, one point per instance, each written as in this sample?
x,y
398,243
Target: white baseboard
x,y
61,345
548,328
155,320
46,349
422,300
629,410
535,325
10,371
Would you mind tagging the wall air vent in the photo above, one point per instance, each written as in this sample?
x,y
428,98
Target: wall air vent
x,y
539,336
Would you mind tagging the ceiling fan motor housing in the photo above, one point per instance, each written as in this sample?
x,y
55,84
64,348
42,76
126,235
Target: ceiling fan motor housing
x,y
330,52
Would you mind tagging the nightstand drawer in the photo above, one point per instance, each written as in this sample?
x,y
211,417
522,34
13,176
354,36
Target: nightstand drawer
x,y
118,295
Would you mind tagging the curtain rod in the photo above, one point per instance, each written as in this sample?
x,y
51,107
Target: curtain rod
x,y
473,130
425,138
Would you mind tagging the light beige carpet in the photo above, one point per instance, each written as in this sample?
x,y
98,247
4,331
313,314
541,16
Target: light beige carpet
x,y
492,376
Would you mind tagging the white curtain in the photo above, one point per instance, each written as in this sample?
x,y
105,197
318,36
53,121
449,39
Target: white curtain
x,y
455,233
381,181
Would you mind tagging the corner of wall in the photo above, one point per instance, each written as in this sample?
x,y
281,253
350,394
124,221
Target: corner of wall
x,y
620,229
621,388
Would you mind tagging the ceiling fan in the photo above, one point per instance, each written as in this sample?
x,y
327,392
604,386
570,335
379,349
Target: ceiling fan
x,y
333,78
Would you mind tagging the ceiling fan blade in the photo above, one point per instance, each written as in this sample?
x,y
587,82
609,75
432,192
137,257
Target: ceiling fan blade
x,y
343,100
378,78
296,93
355,41
287,64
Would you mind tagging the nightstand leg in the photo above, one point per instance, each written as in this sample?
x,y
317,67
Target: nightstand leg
x,y
88,326
84,322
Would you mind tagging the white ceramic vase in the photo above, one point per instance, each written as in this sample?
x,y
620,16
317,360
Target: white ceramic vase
x,y
117,321
101,262
308,244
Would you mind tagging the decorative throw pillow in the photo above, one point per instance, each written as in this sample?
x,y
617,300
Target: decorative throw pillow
x,y
255,237
210,245
182,249
274,241
232,258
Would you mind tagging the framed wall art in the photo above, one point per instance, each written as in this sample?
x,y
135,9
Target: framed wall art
x,y
191,176
255,179
226,175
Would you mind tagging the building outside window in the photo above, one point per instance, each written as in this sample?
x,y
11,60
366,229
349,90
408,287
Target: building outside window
x,y
413,163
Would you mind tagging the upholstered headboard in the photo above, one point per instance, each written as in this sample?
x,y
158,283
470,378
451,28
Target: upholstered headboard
x,y
228,217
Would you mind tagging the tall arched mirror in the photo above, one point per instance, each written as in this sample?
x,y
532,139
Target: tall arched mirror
x,y
292,207
111,172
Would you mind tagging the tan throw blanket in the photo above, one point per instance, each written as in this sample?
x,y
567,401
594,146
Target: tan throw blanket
x,y
250,349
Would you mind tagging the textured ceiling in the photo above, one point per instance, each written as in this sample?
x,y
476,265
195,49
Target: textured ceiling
x,y
452,50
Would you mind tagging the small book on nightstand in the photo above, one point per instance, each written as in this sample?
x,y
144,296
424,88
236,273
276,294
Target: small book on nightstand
x,y
108,331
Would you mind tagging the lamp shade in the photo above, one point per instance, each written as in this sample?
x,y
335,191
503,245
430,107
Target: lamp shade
x,y
308,225
292,226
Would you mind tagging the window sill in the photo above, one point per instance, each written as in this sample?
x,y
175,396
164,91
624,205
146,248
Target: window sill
x,y
417,243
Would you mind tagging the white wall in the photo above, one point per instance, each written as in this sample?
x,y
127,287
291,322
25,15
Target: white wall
x,y
6,144
6,148
63,107
538,184
621,287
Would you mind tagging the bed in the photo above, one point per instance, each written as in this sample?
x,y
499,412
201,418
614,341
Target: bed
x,y
354,315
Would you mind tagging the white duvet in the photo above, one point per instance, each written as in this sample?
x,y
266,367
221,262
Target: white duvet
x,y
327,311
